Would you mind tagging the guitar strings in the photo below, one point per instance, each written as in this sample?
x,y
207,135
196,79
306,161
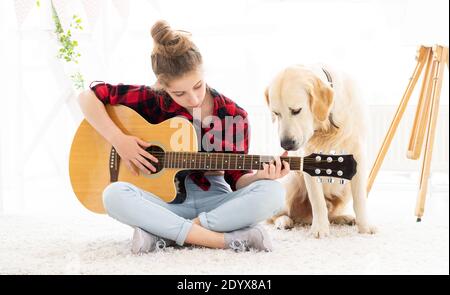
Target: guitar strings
x,y
294,166
246,162
320,175
198,156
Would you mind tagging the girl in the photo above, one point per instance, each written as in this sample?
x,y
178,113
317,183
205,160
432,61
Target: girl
x,y
222,208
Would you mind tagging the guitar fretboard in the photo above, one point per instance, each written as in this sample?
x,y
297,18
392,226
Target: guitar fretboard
x,y
222,161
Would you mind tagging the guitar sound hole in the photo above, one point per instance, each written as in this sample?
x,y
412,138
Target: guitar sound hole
x,y
158,153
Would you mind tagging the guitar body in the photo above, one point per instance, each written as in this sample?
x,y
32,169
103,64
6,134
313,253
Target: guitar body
x,y
89,163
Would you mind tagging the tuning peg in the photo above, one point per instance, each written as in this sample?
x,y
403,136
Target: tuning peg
x,y
330,180
342,181
319,180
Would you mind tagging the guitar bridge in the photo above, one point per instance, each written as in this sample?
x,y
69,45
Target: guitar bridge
x,y
114,161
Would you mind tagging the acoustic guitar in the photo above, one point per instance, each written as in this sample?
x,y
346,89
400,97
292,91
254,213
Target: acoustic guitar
x,y
94,163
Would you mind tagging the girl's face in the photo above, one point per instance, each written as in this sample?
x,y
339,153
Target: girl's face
x,y
188,91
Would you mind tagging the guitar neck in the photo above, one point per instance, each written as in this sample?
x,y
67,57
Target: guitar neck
x,y
222,161
340,166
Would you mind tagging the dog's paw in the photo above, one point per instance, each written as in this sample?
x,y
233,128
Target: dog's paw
x,y
367,229
284,222
321,230
343,220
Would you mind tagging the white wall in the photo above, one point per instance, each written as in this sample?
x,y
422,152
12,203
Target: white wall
x,y
244,44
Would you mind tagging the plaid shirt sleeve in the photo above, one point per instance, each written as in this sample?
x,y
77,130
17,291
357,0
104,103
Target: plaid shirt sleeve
x,y
240,145
138,97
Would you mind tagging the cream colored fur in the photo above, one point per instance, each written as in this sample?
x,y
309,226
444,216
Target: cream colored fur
x,y
308,201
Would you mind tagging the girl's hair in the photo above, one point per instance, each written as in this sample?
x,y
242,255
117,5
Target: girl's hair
x,y
174,54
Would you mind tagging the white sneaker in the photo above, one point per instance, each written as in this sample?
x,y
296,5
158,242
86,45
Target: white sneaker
x,y
254,237
144,242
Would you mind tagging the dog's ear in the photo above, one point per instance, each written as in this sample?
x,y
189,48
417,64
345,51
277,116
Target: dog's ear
x,y
266,94
321,99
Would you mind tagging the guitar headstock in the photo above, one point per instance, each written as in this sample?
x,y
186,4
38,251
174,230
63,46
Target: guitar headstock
x,y
331,166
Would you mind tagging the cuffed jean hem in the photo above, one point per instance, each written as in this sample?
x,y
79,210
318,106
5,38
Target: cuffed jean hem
x,y
203,220
185,228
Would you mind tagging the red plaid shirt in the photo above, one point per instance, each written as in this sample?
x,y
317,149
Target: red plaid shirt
x,y
157,106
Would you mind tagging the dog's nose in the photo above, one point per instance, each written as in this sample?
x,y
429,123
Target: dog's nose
x,y
289,144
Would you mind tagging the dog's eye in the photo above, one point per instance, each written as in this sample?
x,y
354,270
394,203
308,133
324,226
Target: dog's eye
x,y
276,114
296,112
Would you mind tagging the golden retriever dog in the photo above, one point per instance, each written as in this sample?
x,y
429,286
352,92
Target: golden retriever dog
x,y
318,109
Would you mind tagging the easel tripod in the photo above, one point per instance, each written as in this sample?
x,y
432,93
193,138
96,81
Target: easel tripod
x,y
433,59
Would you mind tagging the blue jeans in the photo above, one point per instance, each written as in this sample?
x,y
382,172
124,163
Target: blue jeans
x,y
218,209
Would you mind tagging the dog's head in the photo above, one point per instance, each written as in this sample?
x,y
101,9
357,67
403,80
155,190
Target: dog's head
x,y
300,103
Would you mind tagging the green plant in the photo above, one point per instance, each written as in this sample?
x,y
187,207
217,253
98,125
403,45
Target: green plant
x,y
68,50
78,80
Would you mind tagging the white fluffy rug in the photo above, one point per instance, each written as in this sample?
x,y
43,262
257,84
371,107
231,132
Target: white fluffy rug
x,y
93,244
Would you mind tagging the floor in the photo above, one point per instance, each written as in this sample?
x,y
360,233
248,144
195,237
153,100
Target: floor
x,y
86,243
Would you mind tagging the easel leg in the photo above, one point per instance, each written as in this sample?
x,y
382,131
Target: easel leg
x,y
421,59
440,57
422,111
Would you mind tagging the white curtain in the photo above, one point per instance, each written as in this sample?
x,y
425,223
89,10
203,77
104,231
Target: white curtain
x,y
244,44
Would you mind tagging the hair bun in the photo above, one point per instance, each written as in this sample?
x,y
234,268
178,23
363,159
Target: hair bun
x,y
169,42
162,33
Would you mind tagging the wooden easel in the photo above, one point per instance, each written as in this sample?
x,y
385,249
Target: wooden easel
x,y
433,59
